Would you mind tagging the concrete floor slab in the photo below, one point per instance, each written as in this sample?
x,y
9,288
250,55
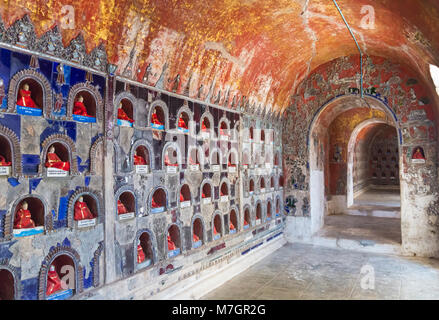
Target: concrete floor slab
x,y
305,271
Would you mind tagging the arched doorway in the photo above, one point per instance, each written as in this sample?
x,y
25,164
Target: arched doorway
x,y
345,200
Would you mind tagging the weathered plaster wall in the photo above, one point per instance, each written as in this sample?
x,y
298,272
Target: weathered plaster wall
x,y
407,101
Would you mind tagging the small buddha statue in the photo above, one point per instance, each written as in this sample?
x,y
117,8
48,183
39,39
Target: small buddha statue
x,y
82,212
24,97
155,119
3,162
171,244
181,197
203,127
53,161
121,209
168,162
79,107
418,154
181,123
140,253
53,281
245,222
214,230
154,204
231,226
203,195
121,114
195,238
138,160
23,217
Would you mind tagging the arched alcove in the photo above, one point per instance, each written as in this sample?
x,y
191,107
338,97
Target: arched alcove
x,y
158,201
85,105
7,285
157,118
28,217
258,213
61,280
262,185
85,211
197,233
245,158
250,134
233,224
206,193
215,160
141,159
171,158
278,207
262,139
194,159
125,113
223,129
173,241
281,181
247,218
185,196
6,156
224,192
269,211
126,204
144,253
57,160
217,228
272,184
183,121
206,125
251,186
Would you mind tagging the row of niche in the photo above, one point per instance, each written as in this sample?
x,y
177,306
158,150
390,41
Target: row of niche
x,y
139,158
157,117
58,157
145,253
263,185
158,200
33,96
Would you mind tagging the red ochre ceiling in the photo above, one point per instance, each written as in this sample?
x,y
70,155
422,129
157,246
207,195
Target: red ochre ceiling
x,y
261,49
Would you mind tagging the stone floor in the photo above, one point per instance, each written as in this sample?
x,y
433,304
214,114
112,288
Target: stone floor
x,y
378,230
303,271
389,197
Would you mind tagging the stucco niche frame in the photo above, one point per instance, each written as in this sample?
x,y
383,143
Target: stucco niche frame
x,y
153,242
174,146
93,91
68,143
160,104
191,124
219,214
211,130
9,217
75,196
147,145
122,190
238,227
181,238
251,212
212,190
167,204
203,225
125,95
16,82
15,273
229,190
54,253
14,145
190,193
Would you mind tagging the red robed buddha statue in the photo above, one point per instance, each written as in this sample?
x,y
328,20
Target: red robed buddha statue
x,y
418,154
182,123
121,209
155,118
53,281
121,114
214,230
139,160
82,212
79,107
140,253
154,204
24,97
53,161
195,238
23,218
181,197
245,222
171,244
203,127
231,226
3,162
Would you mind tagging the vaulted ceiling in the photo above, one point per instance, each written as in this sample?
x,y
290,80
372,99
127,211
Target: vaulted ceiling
x,y
261,49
